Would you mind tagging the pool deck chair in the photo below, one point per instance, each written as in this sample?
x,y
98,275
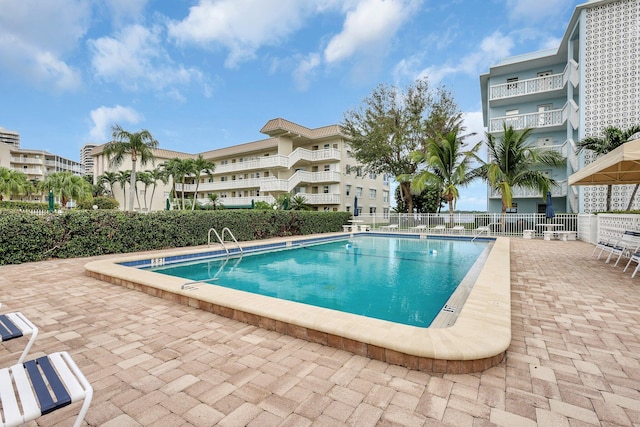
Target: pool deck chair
x,y
16,325
607,244
390,227
635,257
40,386
419,229
629,241
439,228
457,229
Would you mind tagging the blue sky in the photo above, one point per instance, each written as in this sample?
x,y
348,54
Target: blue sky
x,y
205,74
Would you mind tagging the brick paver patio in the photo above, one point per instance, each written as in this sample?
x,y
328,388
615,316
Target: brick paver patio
x,y
574,359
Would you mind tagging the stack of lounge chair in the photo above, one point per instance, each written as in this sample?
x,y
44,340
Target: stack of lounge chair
x,y
37,387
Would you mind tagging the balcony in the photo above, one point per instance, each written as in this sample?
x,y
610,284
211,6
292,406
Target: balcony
x,y
25,160
547,120
531,88
279,161
321,199
300,177
559,190
222,185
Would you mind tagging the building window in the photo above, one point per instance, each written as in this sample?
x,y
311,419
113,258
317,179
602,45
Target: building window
x,y
372,175
513,208
385,196
327,168
359,191
266,174
348,208
326,209
512,85
326,146
223,178
372,193
348,169
347,190
325,189
359,171
372,210
385,179
314,169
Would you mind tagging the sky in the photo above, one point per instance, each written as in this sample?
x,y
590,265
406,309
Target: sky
x,y
207,74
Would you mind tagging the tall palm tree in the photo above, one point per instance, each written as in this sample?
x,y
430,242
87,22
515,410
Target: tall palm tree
x,y
123,177
157,174
138,145
145,178
108,178
513,163
68,187
448,167
612,139
200,166
12,182
184,168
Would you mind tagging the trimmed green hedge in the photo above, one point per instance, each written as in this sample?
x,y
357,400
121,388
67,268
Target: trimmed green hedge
x,y
26,237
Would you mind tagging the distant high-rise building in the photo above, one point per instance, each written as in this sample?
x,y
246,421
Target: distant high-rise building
x,y
10,137
591,81
86,160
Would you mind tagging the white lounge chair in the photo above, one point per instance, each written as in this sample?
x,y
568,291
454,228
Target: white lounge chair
x,y
635,257
419,229
16,325
624,245
606,244
457,229
37,387
439,228
389,227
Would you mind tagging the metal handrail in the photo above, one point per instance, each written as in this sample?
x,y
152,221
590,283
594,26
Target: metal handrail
x,y
232,236
221,239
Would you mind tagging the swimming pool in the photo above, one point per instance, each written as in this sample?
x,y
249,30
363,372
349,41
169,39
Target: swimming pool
x,y
399,279
476,341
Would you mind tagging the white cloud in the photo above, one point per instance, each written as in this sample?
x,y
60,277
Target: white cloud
x,y
135,57
36,36
305,67
531,11
369,26
241,26
492,48
104,118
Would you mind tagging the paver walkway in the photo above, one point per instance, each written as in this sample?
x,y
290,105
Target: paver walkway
x,y
574,358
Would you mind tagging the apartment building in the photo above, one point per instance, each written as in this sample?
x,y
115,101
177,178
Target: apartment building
x,y
314,163
9,137
591,81
86,160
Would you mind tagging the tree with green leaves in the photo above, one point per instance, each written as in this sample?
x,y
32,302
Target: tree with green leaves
x,y
214,198
200,167
514,163
138,145
12,183
123,178
613,138
427,201
298,202
390,124
447,167
157,175
143,177
108,177
67,186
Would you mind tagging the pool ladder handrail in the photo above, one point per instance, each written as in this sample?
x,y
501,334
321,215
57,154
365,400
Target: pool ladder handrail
x,y
221,239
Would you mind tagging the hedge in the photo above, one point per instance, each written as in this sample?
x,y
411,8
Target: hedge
x,y
26,237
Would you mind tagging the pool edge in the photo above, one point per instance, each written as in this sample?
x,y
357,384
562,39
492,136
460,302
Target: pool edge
x,y
478,340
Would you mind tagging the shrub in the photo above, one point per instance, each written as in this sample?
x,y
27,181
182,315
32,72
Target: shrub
x,y
26,237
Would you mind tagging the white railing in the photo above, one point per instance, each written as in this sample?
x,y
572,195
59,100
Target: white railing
x,y
25,160
321,198
559,190
540,119
500,225
529,86
220,186
574,72
286,185
280,161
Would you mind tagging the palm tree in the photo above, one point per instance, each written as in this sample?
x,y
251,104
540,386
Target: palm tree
x,y
214,198
298,203
201,165
447,167
138,145
179,169
108,178
145,178
157,174
123,177
513,163
613,138
68,187
12,182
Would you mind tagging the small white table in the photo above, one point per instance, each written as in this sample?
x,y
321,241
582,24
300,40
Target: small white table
x,y
550,229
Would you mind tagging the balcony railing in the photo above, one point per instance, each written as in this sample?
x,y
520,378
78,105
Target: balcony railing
x,y
537,84
321,199
542,119
286,185
528,87
559,190
25,160
280,161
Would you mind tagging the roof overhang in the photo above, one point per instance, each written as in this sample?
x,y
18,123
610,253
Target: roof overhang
x,y
620,166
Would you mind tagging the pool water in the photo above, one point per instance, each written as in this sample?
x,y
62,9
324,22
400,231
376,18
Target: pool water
x,y
401,280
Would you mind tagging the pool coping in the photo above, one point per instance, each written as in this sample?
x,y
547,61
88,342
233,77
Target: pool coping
x,y
478,339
